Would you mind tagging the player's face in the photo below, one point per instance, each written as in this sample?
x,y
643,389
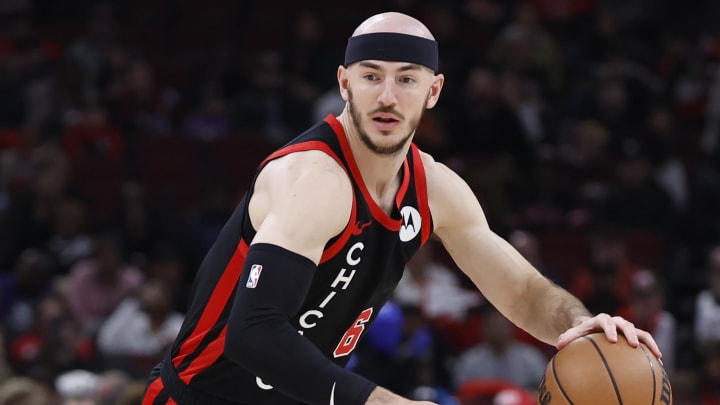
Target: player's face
x,y
386,101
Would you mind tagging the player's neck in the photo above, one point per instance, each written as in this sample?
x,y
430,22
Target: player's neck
x,y
381,173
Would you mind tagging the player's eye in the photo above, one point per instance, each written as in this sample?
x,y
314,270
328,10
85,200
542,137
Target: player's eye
x,y
407,80
370,76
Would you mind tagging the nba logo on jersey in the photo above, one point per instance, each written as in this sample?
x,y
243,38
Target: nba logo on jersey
x,y
255,271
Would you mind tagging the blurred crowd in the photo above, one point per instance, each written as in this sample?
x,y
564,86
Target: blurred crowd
x,y
589,130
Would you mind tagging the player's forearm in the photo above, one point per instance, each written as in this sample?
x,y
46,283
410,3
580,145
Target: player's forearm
x,y
270,348
261,339
551,310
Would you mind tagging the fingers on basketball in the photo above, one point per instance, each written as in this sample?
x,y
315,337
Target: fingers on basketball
x,y
593,371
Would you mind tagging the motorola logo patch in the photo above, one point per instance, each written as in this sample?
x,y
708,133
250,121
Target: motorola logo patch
x,y
411,223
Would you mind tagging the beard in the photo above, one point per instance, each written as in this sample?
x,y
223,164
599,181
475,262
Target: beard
x,y
365,138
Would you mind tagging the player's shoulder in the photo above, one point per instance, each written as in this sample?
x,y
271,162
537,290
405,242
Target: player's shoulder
x,y
450,198
302,190
311,167
310,181
438,175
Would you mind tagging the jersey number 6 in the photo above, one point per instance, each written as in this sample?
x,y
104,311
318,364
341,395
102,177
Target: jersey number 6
x,y
352,335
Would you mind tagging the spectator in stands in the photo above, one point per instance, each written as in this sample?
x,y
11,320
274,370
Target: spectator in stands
x,y
707,304
481,116
665,151
604,285
138,106
77,387
403,352
646,310
27,71
525,46
83,387
168,263
70,241
141,328
265,106
544,198
86,56
500,356
54,344
210,120
17,151
514,396
30,279
587,153
636,199
138,222
431,286
93,135
524,96
28,221
309,58
96,286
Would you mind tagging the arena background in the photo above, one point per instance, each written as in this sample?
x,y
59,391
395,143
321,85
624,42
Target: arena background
x,y
129,129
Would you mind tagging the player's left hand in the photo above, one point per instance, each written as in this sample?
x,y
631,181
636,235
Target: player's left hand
x,y
610,325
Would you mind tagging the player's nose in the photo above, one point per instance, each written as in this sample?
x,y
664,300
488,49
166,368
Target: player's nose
x,y
387,95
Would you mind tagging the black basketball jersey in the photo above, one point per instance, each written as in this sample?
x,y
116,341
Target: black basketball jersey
x,y
357,273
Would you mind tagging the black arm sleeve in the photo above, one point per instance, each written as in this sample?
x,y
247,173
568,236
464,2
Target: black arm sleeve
x,y
261,339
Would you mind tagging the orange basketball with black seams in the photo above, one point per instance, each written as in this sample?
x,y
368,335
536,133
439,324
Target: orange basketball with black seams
x,y
593,371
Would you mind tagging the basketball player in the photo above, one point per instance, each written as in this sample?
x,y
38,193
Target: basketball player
x,y
308,258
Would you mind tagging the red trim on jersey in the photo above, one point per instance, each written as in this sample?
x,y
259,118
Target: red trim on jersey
x,y
378,213
212,352
152,391
301,147
422,195
215,306
171,401
350,228
404,185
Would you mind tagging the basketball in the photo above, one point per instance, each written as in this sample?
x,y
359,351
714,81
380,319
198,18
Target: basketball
x,y
592,371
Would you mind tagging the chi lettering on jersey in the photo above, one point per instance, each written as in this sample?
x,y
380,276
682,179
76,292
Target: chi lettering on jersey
x,y
309,319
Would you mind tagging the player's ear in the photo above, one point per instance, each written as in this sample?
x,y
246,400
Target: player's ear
x,y
435,89
343,82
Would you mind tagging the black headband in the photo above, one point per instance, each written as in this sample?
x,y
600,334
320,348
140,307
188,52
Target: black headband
x,y
392,46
